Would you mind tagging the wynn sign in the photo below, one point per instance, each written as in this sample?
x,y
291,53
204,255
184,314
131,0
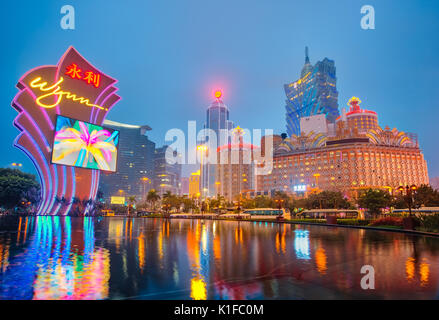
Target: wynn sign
x,y
61,110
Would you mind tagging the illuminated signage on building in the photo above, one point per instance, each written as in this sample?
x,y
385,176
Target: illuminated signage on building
x,y
75,90
88,76
299,188
117,200
56,92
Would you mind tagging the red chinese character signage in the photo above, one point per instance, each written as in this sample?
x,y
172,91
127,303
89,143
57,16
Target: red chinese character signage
x,y
88,76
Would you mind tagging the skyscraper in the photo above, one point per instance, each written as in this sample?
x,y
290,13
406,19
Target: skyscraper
x,y
135,164
314,93
235,169
167,176
217,119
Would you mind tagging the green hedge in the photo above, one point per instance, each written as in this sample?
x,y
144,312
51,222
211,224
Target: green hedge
x,y
353,222
428,223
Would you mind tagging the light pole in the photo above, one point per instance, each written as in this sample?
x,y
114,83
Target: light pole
x,y
317,175
408,195
145,179
279,204
202,148
408,222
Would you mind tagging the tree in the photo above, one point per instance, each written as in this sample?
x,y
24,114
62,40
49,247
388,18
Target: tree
x,y
131,202
328,200
374,200
426,196
152,197
17,187
263,202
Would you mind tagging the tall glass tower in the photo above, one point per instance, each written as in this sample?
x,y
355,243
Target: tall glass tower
x,y
217,119
314,93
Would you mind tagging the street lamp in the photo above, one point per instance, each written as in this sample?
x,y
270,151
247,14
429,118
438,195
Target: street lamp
x,y
317,175
202,148
145,179
279,203
409,190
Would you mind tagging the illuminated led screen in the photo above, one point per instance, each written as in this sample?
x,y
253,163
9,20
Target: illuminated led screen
x,y
85,145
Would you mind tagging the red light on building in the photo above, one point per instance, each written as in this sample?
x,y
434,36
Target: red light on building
x,y
218,94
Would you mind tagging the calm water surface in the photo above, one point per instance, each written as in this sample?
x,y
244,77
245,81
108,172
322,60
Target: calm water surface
x,y
140,258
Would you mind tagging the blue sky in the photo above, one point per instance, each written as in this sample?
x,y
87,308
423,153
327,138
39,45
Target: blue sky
x,y
169,55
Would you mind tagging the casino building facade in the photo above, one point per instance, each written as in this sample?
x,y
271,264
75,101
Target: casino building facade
x,y
360,155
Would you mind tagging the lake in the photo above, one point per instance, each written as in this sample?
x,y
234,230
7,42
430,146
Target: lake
x,y
143,258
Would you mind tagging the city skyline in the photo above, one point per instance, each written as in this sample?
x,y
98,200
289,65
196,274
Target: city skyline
x,y
368,65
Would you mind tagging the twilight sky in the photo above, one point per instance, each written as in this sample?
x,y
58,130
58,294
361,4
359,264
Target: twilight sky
x,y
170,55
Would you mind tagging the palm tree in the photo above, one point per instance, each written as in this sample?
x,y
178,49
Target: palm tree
x,y
131,201
167,195
152,197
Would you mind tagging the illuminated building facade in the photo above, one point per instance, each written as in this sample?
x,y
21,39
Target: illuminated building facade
x,y
194,184
217,119
314,93
346,167
167,177
235,169
360,155
359,119
184,190
135,167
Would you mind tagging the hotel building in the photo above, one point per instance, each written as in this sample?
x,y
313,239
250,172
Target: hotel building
x,y
194,184
360,156
167,177
235,169
217,119
135,163
314,93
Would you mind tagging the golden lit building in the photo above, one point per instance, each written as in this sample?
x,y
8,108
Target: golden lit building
x,y
235,172
346,167
358,119
361,155
194,184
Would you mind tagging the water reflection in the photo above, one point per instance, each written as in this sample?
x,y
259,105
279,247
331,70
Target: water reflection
x,y
301,244
70,258
48,267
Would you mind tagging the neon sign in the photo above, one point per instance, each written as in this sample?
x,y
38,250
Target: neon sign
x,y
74,89
89,76
55,90
299,188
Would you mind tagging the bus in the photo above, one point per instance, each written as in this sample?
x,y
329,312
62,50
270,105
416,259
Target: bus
x,y
267,213
323,213
423,210
108,213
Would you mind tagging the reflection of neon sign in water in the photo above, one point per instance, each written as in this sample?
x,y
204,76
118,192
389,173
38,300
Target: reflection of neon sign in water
x,y
49,269
301,244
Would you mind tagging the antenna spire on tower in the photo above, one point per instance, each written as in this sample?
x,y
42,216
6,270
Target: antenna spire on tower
x,y
306,55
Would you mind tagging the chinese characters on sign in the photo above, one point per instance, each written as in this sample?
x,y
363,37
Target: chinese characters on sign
x,y
88,76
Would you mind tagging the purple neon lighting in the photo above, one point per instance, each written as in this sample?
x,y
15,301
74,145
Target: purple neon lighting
x,y
73,190
31,133
40,174
51,168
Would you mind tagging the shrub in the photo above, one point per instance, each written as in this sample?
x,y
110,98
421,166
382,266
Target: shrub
x,y
429,223
387,221
353,222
